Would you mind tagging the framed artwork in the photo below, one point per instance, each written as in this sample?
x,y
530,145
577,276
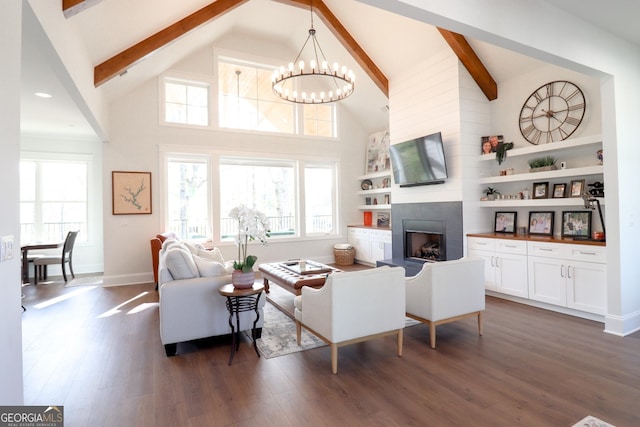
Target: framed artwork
x,y
540,190
577,188
559,191
541,223
505,222
576,224
378,158
383,219
489,144
131,192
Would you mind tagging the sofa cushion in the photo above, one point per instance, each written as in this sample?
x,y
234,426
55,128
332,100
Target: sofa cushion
x,y
208,267
214,255
180,263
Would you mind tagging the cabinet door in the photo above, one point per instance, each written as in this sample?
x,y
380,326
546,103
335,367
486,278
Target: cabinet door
x,y
587,287
511,274
547,280
489,267
359,239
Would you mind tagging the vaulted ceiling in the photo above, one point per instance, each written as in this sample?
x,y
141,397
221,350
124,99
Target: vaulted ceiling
x,y
107,28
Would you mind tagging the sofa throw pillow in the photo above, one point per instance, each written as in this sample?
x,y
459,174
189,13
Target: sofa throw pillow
x,y
209,268
214,255
180,264
172,243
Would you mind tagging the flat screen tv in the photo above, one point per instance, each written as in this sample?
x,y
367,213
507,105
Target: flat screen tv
x,y
419,161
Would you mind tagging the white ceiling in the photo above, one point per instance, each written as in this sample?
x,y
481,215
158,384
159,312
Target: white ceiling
x,y
393,42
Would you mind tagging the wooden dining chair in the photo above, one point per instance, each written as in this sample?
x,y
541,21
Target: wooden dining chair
x,y
66,257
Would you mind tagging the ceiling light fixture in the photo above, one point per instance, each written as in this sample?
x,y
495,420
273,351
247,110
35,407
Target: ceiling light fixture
x,y
316,82
43,95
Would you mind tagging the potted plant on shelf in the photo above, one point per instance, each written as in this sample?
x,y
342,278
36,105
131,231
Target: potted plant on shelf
x,y
501,151
252,225
491,193
547,163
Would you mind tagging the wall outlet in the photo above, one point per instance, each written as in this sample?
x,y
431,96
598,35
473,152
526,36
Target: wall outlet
x,y
6,248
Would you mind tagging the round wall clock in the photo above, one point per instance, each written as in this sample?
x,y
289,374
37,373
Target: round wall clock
x,y
552,113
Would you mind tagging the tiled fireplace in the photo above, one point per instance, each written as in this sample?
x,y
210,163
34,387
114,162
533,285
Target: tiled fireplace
x,y
425,232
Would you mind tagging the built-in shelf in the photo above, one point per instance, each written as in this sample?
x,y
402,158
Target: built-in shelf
x,y
546,148
530,176
375,191
516,203
374,207
381,174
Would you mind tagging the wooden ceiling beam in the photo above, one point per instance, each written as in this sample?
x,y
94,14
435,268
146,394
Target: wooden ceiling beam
x,y
125,59
472,63
73,7
349,43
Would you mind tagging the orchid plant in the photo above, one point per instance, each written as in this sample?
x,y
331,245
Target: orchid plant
x,y
252,225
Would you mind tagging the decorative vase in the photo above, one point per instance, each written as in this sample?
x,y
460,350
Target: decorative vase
x,y
242,280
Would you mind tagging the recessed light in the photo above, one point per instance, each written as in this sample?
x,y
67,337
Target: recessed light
x,y
43,95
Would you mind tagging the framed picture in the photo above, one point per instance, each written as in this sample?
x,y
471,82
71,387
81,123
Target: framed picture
x,y
383,219
378,158
131,192
540,190
505,222
559,191
577,188
541,223
576,224
489,144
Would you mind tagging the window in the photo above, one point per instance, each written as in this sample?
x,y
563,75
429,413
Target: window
x,y
267,185
319,120
186,102
53,199
188,197
299,197
246,101
319,183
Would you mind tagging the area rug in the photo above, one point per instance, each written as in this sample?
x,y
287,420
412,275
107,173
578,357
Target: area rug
x,y
590,421
279,334
84,281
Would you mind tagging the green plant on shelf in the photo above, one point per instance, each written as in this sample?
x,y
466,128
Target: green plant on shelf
x,y
541,162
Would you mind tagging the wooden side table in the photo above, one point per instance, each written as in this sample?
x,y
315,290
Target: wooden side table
x,y
238,301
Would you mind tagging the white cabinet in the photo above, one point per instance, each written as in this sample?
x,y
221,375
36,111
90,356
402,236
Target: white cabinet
x,y
573,276
505,264
369,243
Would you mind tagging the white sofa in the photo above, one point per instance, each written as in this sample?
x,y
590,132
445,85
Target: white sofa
x,y
447,291
191,307
352,307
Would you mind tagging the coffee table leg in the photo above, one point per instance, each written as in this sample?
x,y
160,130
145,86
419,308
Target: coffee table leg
x,y
255,322
230,308
266,284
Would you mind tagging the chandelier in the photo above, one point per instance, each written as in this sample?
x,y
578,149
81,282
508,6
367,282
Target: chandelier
x,y
317,82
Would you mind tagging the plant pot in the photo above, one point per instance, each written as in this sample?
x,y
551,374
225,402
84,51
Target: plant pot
x,y
544,168
242,280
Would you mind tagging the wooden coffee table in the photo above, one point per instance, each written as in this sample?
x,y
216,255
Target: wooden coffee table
x,y
292,277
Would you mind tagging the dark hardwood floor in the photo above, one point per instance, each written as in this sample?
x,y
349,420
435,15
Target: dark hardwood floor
x,y
97,351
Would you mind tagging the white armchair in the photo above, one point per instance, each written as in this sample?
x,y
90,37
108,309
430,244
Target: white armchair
x,y
447,291
352,307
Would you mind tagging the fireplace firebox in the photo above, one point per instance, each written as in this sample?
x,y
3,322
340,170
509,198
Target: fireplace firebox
x,y
424,246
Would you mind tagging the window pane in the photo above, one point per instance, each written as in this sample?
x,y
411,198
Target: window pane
x,y
276,117
187,200
319,120
318,190
175,93
186,103
27,180
269,186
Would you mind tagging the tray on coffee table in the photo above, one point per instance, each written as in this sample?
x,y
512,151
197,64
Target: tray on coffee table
x,y
309,268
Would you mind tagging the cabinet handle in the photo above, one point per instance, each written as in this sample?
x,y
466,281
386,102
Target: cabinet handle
x,y
587,253
510,246
481,244
562,271
545,249
569,271
498,262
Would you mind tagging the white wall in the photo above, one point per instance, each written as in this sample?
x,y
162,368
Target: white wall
x,y
10,289
137,137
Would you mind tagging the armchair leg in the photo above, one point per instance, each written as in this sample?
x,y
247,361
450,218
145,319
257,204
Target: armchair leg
x,y
334,358
400,338
480,321
298,332
432,334
171,349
